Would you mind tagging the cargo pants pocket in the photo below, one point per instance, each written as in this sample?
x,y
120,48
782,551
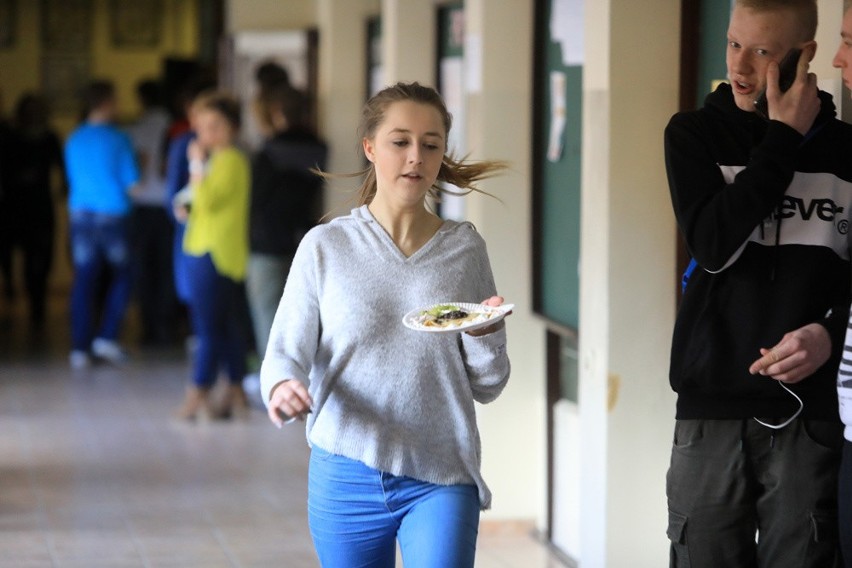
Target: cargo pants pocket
x,y
679,551
823,547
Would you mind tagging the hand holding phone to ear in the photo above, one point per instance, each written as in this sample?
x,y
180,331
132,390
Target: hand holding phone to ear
x,y
798,105
787,70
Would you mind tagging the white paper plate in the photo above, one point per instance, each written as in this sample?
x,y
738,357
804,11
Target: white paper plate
x,y
412,319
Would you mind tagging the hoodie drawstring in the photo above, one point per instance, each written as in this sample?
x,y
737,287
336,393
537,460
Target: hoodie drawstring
x,y
775,249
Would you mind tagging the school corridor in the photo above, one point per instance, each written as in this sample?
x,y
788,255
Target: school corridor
x,y
94,471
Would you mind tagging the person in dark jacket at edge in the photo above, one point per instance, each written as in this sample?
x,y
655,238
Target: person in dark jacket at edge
x,y
764,206
286,201
843,61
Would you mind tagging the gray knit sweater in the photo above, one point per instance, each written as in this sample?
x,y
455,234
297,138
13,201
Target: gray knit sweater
x,y
398,400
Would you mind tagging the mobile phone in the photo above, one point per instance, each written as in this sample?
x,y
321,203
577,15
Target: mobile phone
x,y
786,75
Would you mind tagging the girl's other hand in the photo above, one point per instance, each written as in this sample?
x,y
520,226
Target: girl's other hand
x,y
195,151
290,400
181,213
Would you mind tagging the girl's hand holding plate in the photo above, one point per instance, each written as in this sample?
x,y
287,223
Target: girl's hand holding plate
x,y
493,301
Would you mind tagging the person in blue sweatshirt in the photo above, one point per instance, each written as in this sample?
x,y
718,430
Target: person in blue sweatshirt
x,y
102,171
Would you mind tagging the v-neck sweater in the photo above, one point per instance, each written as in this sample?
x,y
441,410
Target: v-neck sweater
x,y
398,400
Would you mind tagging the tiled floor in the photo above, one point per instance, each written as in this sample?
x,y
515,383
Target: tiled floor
x,y
95,473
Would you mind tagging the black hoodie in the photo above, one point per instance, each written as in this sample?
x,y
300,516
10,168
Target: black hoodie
x,y
285,195
765,213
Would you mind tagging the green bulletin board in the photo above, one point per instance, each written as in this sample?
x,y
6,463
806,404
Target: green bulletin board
x,y
557,180
713,46
449,44
450,79
375,70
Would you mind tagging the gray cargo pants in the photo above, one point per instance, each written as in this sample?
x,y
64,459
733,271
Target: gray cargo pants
x,y
742,495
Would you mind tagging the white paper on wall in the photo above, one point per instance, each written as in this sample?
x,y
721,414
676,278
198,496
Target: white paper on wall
x,y
558,103
473,59
566,28
452,71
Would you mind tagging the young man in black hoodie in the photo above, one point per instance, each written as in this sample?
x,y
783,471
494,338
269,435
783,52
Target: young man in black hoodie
x,y
764,206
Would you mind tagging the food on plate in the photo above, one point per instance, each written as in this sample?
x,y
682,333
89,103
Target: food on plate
x,y
450,315
453,317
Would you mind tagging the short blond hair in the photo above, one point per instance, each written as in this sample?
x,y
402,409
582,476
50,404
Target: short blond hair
x,y
804,10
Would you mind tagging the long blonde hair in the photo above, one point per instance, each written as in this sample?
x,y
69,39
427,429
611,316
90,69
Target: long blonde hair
x,y
463,174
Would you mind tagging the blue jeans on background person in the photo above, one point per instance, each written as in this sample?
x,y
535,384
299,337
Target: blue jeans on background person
x,y
179,265
98,242
356,514
217,307
267,274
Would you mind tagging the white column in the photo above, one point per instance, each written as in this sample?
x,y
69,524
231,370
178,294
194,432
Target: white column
x,y
342,88
628,280
499,51
828,39
409,41
275,15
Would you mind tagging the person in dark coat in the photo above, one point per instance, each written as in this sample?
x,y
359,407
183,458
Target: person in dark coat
x,y
285,199
37,157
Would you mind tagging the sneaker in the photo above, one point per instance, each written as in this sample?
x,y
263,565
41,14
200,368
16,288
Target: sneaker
x,y
108,351
79,360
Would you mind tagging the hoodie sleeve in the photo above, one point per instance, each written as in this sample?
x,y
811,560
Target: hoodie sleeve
x,y
716,217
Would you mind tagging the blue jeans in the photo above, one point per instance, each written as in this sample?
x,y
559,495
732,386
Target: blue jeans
x,y
179,265
98,241
217,308
356,514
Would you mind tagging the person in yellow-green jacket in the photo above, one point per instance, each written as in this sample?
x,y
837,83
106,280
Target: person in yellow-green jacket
x,y
216,207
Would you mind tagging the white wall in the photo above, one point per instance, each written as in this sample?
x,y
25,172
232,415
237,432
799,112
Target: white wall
x,y
342,87
828,38
242,15
627,281
499,127
642,273
409,41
